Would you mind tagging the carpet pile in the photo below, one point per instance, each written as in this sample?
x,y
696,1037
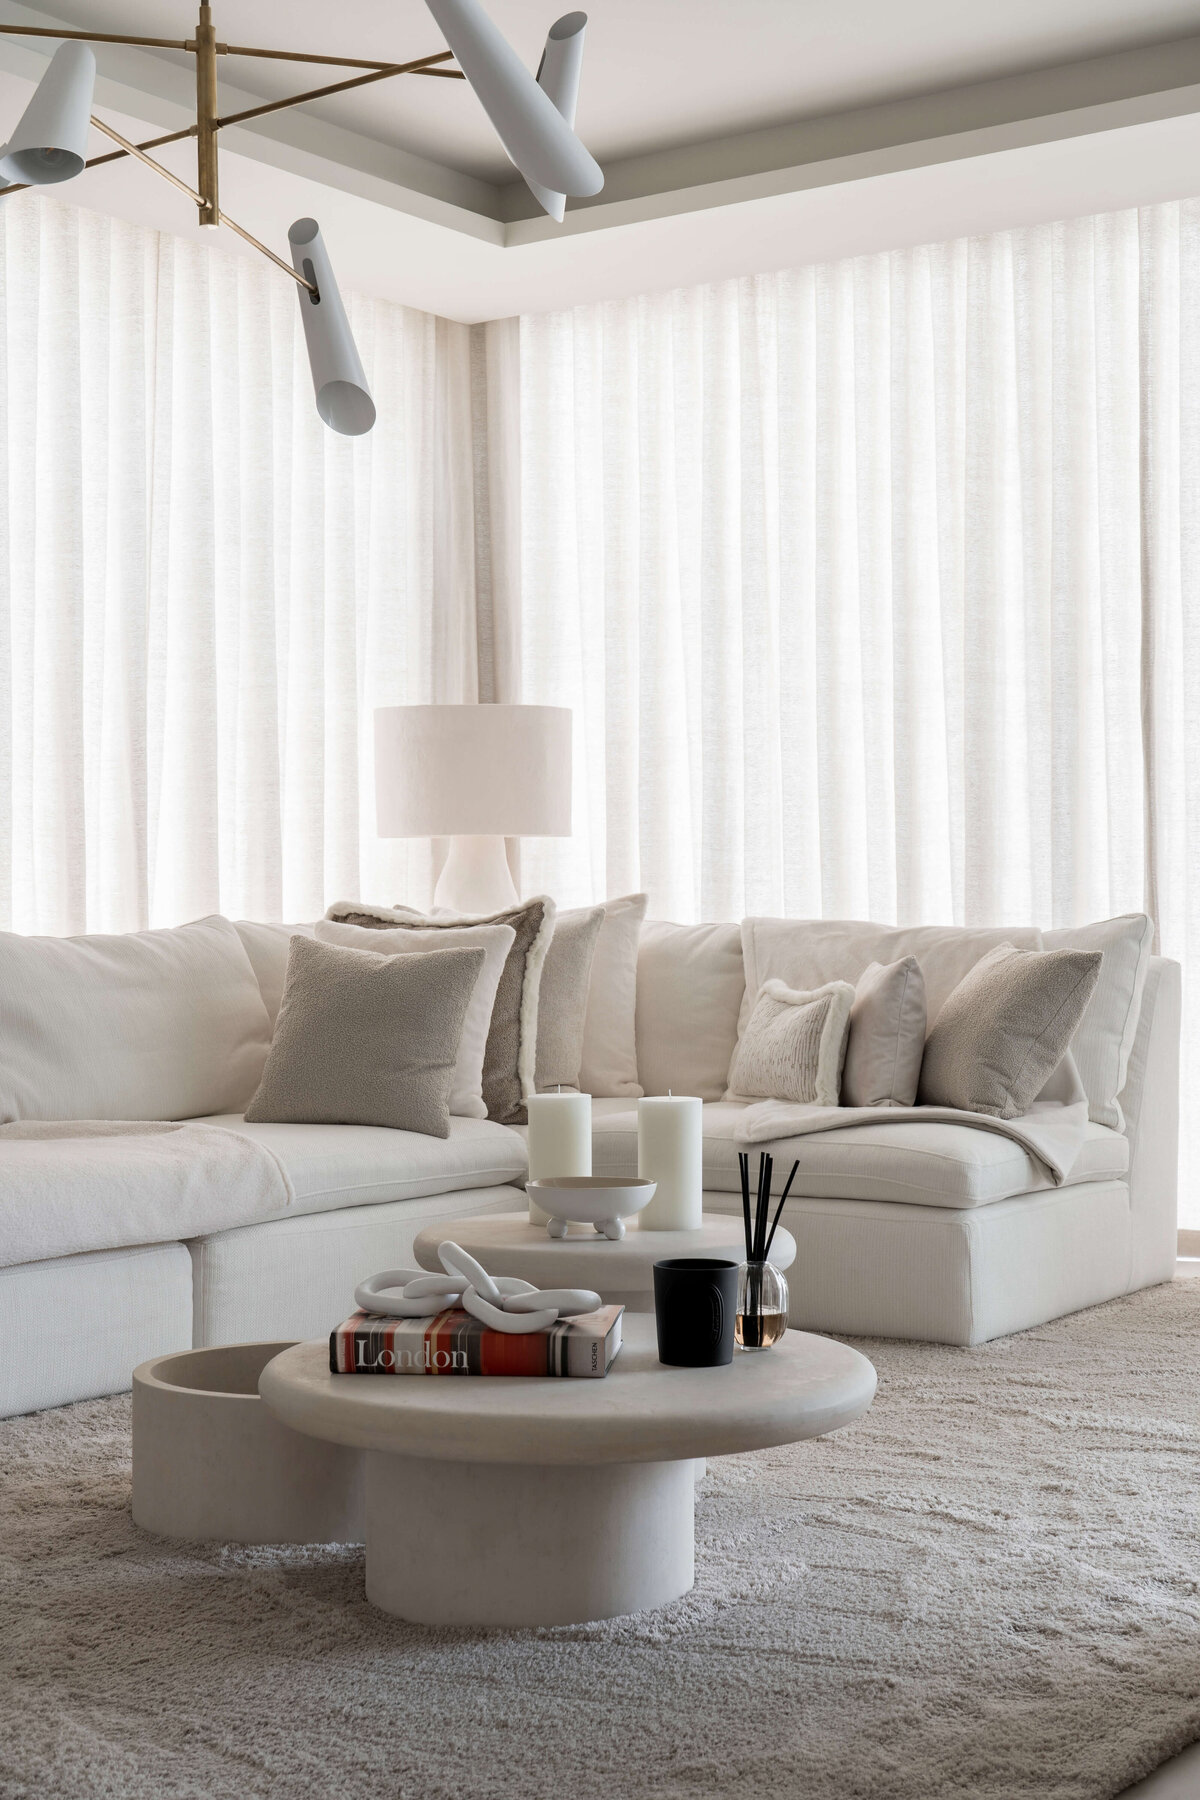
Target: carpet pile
x,y
988,1587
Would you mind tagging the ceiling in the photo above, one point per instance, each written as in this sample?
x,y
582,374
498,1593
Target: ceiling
x,y
659,73
735,134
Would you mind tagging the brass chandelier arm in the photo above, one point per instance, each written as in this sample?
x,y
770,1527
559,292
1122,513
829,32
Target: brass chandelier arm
x,y
334,87
309,286
95,37
94,162
340,62
135,150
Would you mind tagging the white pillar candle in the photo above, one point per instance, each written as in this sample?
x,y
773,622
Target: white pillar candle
x,y
560,1140
671,1152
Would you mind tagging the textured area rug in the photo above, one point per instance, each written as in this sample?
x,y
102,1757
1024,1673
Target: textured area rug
x,y
989,1587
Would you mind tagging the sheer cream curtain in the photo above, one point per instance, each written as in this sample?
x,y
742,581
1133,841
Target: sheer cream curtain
x,y
204,593
874,586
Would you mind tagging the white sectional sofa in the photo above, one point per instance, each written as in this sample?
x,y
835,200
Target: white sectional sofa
x,y
905,1227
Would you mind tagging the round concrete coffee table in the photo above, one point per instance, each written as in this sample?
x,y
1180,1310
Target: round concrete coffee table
x,y
621,1272
508,1500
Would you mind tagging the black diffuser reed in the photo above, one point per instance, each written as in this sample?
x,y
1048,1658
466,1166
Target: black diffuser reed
x,y
760,1321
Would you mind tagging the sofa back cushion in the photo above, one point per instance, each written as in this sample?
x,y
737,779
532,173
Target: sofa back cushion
x,y
267,948
690,984
148,1025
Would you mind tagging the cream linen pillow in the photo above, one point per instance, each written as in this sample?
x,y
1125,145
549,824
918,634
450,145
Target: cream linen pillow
x,y
690,985
366,1040
887,1036
146,1025
1006,1027
466,1090
509,1063
609,1068
1104,1040
563,997
793,1046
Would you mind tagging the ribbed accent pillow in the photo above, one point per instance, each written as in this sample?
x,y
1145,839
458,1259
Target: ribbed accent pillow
x,y
1005,1029
793,1046
366,1040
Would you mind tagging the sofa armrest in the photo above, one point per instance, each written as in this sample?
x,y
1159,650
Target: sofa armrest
x,y
1150,1102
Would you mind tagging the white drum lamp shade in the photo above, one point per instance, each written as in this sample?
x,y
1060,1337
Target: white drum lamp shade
x,y
529,125
343,397
50,142
476,774
558,76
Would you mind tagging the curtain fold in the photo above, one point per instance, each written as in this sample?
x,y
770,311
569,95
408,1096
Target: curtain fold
x,y
873,586
204,593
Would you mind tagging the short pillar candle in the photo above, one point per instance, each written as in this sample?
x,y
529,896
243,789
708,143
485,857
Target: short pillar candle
x,y
560,1139
671,1153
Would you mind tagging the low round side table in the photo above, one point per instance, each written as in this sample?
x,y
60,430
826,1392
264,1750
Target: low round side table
x,y
621,1272
504,1500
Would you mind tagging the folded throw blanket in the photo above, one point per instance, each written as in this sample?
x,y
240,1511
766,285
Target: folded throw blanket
x,y
1053,1131
101,1184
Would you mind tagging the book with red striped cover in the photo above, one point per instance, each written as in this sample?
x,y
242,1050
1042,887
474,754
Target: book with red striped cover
x,y
454,1343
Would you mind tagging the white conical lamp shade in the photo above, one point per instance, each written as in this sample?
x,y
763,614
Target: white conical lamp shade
x,y
558,76
528,123
343,397
50,143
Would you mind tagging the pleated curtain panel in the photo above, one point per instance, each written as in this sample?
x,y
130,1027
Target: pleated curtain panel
x,y
872,586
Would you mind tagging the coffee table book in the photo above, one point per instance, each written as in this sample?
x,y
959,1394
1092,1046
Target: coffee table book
x,y
454,1343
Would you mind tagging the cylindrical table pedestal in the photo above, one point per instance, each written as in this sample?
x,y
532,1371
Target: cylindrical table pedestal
x,y
452,1543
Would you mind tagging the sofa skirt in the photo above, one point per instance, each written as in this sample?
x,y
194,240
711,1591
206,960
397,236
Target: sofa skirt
x,y
878,1269
75,1327
295,1278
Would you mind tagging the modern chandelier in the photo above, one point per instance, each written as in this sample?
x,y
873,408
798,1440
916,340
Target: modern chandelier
x,y
534,119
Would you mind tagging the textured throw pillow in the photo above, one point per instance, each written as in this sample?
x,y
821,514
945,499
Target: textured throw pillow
x,y
794,1045
1005,1029
142,1025
366,1040
609,1069
466,1090
887,1036
563,997
509,1063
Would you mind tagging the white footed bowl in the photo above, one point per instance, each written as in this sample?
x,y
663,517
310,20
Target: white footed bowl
x,y
598,1200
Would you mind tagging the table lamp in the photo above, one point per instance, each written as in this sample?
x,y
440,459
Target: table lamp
x,y
474,774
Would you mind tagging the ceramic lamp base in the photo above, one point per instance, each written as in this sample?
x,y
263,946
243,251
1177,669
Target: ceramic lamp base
x,y
476,877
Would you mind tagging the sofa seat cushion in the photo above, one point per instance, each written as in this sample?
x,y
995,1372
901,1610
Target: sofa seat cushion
x,y
932,1164
332,1166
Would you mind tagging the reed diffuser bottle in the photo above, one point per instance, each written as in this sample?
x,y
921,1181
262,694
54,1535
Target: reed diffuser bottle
x,y
762,1291
762,1305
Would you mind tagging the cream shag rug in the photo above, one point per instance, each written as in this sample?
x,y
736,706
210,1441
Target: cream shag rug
x,y
989,1587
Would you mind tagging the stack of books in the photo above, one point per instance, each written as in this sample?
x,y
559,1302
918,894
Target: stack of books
x,y
454,1343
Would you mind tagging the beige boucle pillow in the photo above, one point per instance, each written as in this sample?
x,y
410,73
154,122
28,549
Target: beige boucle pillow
x,y
793,1046
366,1040
1005,1029
509,1063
